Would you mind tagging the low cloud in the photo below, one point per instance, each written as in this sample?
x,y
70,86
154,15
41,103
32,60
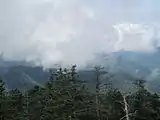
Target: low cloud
x,y
48,32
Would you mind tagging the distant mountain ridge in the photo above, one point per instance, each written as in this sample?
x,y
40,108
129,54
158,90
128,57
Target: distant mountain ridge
x,y
125,66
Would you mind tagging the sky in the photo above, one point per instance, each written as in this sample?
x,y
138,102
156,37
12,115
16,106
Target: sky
x,y
48,32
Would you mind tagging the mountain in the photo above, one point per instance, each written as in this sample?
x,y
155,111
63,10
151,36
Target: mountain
x,y
24,76
9,63
123,66
128,66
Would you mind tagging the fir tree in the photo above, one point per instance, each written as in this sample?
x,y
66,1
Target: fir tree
x,y
3,101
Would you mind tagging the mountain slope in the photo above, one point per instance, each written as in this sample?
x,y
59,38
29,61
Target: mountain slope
x,y
124,66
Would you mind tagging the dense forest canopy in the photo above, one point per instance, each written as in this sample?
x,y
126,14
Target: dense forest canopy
x,y
66,97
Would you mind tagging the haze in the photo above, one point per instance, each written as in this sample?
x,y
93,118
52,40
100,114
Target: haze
x,y
48,32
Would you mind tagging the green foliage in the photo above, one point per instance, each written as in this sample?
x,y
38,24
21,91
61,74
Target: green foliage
x,y
3,101
144,104
66,97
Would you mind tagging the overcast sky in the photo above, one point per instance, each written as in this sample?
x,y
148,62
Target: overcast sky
x,y
72,31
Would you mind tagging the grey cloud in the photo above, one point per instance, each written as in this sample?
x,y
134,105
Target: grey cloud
x,y
52,31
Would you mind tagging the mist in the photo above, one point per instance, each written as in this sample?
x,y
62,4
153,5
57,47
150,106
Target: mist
x,y
49,32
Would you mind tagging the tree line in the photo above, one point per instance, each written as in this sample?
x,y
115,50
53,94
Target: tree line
x,y
66,97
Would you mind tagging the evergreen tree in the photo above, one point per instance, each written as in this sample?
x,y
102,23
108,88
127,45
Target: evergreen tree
x,y
66,95
3,101
35,102
15,103
142,103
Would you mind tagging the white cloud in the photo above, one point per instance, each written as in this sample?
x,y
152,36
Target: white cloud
x,y
135,37
72,31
